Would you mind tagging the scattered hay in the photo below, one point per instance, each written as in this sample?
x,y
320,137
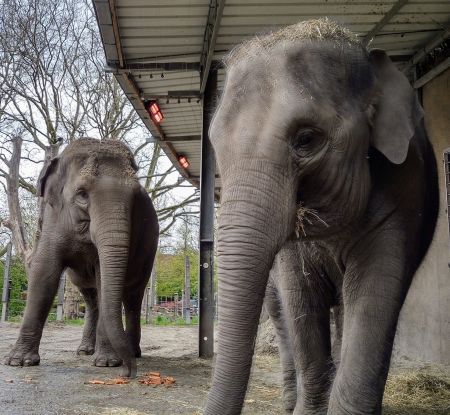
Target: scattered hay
x,y
416,392
316,29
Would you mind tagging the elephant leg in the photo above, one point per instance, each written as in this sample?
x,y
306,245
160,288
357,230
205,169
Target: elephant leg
x,y
87,345
307,311
375,285
132,304
105,355
272,304
337,317
44,275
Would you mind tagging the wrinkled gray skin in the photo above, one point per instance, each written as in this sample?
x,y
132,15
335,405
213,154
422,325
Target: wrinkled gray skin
x,y
336,130
99,224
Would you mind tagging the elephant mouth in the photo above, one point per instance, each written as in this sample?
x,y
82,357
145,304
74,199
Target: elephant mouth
x,y
83,226
306,220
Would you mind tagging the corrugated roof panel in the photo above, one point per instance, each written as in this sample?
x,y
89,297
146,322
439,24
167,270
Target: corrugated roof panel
x,y
153,31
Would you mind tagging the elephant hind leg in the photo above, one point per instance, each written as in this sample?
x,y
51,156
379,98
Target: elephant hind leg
x,y
337,321
272,305
132,303
305,292
87,345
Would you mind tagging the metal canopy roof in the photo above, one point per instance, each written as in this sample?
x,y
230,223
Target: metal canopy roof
x,y
163,50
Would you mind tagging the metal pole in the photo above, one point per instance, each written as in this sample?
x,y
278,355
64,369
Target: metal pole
x,y
187,290
6,290
207,181
60,304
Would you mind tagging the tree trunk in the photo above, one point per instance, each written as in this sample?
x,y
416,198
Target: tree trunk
x,y
72,298
15,220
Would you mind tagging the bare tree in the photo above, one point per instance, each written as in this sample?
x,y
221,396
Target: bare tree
x,y
12,179
160,180
53,90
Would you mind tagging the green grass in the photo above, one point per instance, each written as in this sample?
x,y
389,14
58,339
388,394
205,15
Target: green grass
x,y
74,322
156,321
170,321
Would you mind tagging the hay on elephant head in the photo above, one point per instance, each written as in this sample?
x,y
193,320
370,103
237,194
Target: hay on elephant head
x,y
308,216
316,29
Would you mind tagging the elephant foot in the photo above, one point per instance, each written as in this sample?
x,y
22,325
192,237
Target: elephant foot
x,y
129,369
23,355
106,358
86,349
137,352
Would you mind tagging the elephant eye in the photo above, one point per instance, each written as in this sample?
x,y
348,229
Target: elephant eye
x,y
81,196
304,138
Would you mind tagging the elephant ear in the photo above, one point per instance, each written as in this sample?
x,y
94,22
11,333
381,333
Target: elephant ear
x,y
44,180
134,164
397,111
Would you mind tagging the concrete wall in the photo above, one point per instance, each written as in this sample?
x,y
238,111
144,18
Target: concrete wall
x,y
424,328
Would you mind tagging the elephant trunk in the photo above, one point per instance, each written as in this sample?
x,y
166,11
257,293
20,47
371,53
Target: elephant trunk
x,y
252,226
112,238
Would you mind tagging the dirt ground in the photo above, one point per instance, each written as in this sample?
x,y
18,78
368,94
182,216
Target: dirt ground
x,y
58,385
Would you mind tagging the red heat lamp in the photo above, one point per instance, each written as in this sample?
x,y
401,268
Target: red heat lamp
x,y
154,111
183,161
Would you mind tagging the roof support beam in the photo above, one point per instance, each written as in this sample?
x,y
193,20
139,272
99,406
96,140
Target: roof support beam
x,y
384,21
428,48
182,138
112,8
169,96
153,66
209,39
437,70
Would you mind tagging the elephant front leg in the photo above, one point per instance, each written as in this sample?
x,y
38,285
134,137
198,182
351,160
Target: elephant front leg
x,y
87,345
105,355
44,276
272,304
373,294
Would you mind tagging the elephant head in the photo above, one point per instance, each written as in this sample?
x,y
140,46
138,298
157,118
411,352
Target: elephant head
x,y
301,111
88,194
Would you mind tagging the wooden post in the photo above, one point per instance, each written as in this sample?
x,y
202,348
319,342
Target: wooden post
x,y
152,287
6,291
187,290
60,304
147,305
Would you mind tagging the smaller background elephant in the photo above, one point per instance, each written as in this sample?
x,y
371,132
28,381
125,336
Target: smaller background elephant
x,y
100,225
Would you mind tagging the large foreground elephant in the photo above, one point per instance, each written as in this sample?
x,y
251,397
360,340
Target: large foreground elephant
x,y
326,170
99,224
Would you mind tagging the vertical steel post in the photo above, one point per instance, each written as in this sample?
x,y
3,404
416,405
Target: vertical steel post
x,y
60,304
6,290
207,182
